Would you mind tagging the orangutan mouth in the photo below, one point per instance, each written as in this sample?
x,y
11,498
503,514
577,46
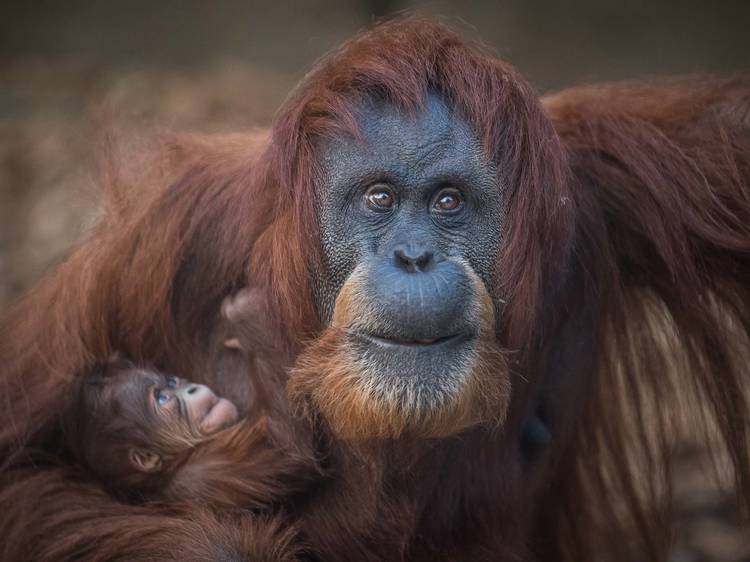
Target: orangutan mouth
x,y
416,342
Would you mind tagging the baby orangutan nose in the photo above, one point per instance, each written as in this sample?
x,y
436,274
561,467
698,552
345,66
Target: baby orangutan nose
x,y
208,411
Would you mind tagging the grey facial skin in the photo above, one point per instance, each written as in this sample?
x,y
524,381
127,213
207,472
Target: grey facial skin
x,y
412,257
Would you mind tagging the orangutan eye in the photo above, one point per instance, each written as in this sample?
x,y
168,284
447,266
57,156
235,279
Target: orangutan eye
x,y
380,197
162,397
448,200
171,382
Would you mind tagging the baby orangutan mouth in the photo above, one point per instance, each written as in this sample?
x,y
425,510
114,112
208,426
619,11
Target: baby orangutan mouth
x,y
220,415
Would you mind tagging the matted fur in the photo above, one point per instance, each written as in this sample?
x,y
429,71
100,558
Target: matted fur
x,y
246,467
123,533
628,206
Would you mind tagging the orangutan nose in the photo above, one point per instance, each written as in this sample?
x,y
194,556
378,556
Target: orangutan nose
x,y
413,257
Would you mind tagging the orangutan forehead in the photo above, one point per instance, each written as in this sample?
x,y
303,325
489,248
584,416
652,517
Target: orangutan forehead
x,y
433,143
435,118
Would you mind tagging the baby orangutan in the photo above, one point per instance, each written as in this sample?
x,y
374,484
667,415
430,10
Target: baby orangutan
x,y
150,435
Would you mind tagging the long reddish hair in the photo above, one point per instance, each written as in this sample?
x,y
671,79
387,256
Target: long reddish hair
x,y
662,176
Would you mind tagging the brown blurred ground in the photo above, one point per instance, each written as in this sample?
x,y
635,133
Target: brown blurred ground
x,y
221,66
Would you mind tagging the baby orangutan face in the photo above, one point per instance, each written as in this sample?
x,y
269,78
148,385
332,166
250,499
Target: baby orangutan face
x,y
134,426
176,407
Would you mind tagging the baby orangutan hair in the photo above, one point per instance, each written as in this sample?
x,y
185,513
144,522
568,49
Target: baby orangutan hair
x,y
147,435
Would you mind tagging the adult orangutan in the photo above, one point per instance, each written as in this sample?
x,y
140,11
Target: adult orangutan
x,y
498,312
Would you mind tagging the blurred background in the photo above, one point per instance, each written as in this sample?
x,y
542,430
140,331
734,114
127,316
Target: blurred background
x,y
227,65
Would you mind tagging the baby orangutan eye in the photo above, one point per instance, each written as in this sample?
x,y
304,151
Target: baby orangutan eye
x,y
171,382
162,397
